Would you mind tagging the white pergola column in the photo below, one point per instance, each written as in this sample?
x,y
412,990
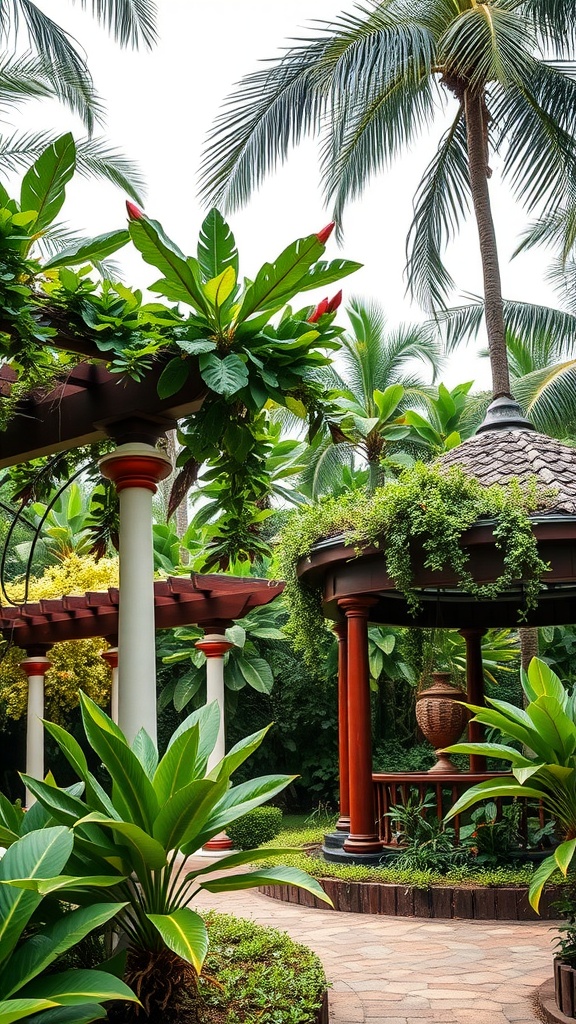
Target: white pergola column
x,y
111,658
215,646
136,469
35,668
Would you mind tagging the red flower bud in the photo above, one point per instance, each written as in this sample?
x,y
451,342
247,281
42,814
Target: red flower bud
x,y
324,235
335,302
134,212
321,308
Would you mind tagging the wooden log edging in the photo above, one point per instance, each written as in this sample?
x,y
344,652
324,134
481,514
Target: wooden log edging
x,y
498,903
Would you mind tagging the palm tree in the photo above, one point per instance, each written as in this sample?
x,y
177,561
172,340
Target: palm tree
x,y
371,384
375,78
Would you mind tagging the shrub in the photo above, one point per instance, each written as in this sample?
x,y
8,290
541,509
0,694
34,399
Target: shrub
x,y
258,826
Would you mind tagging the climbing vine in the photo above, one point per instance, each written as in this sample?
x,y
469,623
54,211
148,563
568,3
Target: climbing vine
x,y
429,504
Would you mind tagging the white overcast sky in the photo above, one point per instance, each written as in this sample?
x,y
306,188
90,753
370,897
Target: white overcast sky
x,y
160,106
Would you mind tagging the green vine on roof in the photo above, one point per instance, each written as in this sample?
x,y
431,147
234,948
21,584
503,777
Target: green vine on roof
x,y
429,504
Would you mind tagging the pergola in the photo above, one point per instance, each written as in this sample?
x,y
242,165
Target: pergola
x,y
87,405
357,591
211,601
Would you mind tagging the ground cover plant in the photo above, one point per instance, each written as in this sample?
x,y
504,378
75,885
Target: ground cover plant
x,y
265,975
134,841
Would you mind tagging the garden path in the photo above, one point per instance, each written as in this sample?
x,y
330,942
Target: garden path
x,y
387,970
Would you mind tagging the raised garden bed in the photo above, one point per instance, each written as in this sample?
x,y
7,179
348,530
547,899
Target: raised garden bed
x,y
486,903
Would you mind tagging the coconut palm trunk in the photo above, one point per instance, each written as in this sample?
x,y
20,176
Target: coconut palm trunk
x,y
476,114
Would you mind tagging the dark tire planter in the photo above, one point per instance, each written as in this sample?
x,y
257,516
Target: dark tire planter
x,y
565,988
481,904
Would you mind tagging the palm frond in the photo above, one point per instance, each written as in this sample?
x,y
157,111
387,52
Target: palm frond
x,y
20,149
562,276
488,43
460,323
131,22
324,461
554,20
548,397
535,125
96,158
23,78
65,67
558,229
441,202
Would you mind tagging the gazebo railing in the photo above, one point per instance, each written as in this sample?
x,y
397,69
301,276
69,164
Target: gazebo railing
x,y
396,788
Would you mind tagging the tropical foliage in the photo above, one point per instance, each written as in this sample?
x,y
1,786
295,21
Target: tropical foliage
x,y
428,505
25,989
134,841
546,771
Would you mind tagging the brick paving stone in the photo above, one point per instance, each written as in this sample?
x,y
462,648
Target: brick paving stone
x,y
410,971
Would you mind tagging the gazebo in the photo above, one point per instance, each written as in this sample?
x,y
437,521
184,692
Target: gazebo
x,y
357,591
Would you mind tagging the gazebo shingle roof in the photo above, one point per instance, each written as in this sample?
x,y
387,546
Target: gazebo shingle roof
x,y
498,456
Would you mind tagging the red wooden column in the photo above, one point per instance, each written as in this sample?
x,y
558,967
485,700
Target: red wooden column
x,y
343,823
363,838
475,690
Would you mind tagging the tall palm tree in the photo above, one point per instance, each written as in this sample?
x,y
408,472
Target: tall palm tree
x,y
372,382
368,83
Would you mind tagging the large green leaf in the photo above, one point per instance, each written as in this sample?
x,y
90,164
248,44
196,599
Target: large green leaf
x,y
145,749
268,876
64,883
133,794
17,1009
491,790
543,681
539,878
71,1014
79,986
224,376
235,860
564,854
151,853
323,273
184,932
279,280
93,250
182,280
238,754
216,246
96,796
176,769
43,186
173,377
207,718
554,727
39,951
492,750
40,854
238,801
186,812
257,673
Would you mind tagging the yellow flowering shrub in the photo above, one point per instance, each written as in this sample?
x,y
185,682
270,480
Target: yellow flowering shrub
x,y
76,664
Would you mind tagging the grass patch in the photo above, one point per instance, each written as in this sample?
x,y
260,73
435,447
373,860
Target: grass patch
x,y
487,876
259,974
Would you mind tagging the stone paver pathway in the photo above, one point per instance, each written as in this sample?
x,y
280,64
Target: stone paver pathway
x,y
406,970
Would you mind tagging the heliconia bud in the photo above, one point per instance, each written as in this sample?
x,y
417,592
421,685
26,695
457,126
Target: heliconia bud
x,y
321,308
335,302
324,235
134,212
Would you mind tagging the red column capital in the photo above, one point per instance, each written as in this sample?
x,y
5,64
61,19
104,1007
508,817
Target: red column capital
x,y
35,666
135,465
110,657
356,607
214,648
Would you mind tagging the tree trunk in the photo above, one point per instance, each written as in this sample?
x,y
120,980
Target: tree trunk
x,y
476,116
528,637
